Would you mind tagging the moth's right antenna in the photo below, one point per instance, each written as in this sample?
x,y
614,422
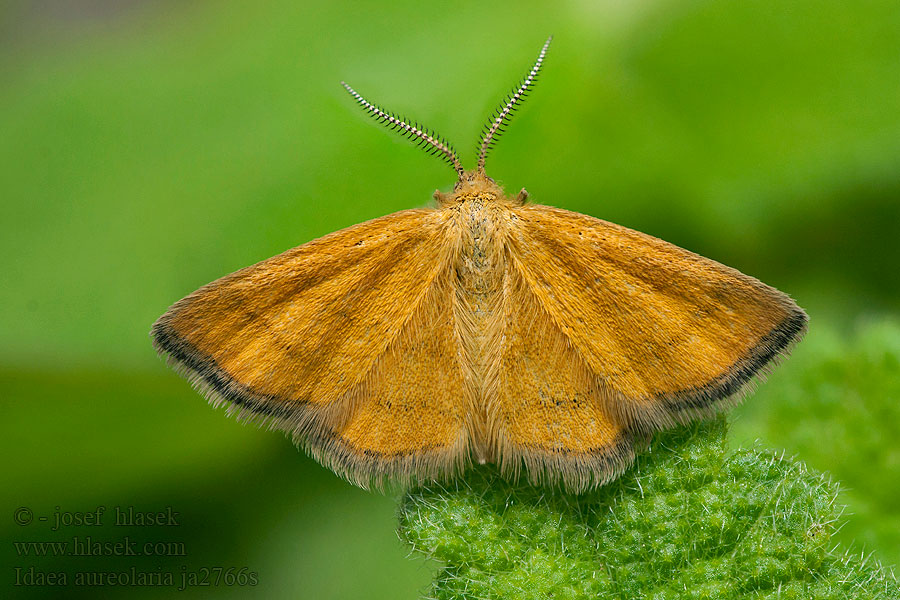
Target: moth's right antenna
x,y
504,112
411,130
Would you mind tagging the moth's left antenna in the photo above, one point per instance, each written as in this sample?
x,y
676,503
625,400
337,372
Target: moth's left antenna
x,y
422,135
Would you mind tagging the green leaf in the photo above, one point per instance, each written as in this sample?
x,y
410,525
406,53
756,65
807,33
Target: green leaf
x,y
836,403
690,520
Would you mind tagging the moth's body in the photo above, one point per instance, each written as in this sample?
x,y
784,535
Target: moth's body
x,y
478,217
484,329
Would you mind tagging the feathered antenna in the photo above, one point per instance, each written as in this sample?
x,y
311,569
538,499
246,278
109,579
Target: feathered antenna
x,y
412,130
496,126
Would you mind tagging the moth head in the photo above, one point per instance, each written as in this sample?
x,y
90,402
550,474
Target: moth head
x,y
476,180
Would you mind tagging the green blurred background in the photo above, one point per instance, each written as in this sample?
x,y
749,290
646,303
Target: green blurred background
x,y
149,147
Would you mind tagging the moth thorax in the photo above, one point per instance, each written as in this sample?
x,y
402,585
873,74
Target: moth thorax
x,y
479,268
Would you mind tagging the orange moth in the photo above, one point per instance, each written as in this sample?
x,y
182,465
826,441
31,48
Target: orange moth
x,y
484,329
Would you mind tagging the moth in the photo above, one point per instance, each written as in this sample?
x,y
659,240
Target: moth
x,y
483,329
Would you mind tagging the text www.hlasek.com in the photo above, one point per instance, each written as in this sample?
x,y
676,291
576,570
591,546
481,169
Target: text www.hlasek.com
x,y
87,546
